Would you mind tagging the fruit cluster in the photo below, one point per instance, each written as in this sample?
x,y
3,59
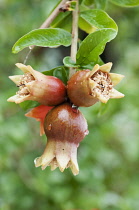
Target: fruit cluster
x,y
58,113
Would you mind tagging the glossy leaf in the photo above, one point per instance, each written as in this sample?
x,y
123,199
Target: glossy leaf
x,y
103,108
88,2
28,105
53,37
100,4
63,20
91,20
92,64
93,45
68,62
60,72
126,3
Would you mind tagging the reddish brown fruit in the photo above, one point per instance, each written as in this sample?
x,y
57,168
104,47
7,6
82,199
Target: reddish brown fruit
x,y
35,86
64,127
78,90
87,87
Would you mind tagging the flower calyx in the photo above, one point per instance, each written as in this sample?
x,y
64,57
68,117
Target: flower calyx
x,y
86,87
35,86
65,127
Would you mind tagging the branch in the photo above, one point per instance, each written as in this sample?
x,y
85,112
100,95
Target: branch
x,y
53,15
47,23
74,37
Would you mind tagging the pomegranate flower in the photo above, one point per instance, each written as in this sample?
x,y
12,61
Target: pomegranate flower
x,y
65,127
39,114
35,86
86,87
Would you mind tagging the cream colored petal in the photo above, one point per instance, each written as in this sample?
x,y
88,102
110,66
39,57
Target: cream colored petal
x,y
116,94
30,85
106,67
16,79
53,164
116,78
47,156
96,68
63,154
103,99
18,99
73,163
92,84
23,67
38,161
13,98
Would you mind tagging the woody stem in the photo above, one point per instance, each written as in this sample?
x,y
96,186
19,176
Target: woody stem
x,y
74,37
47,23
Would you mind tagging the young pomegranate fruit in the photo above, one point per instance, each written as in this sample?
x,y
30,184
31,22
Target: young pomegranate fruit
x,y
39,114
35,86
86,87
65,127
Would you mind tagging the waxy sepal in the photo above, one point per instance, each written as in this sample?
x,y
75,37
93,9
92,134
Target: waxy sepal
x,y
86,87
35,86
39,113
65,127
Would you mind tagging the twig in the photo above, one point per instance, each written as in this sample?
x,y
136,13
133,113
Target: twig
x,y
47,23
56,11
74,37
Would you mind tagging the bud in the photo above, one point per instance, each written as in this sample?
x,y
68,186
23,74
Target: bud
x,y
39,114
65,127
35,86
86,87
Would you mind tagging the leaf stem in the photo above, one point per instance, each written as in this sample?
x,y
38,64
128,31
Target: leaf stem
x,y
73,53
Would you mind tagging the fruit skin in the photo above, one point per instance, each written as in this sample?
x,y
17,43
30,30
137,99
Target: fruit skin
x,y
47,90
64,127
64,123
86,87
78,90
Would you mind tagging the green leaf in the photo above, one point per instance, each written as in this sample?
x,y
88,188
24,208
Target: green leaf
x,y
103,108
93,46
100,4
92,64
63,20
126,3
60,72
68,62
88,2
91,20
28,105
53,37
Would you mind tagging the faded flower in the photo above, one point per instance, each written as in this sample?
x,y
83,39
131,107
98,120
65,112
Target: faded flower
x,y
86,87
65,127
35,86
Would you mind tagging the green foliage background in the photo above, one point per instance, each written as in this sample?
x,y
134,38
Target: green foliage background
x,y
109,155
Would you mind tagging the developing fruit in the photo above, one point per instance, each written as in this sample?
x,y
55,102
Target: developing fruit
x,y
86,87
65,127
35,86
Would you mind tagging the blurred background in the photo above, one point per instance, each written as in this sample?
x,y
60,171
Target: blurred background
x,y
108,157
